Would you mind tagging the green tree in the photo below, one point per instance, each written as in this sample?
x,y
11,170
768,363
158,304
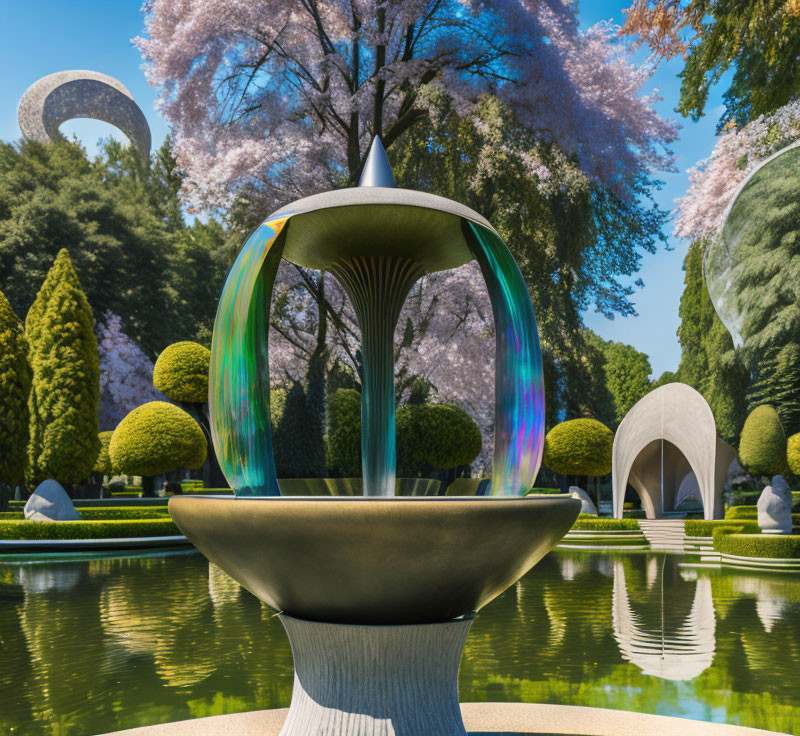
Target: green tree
x,y
627,375
297,452
65,392
793,453
709,362
15,386
156,438
762,446
181,374
120,218
102,466
758,41
579,447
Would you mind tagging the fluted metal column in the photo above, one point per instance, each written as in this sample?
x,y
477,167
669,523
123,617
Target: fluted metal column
x,y
377,287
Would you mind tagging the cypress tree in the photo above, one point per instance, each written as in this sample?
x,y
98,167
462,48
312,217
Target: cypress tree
x,y
65,392
709,362
695,320
15,386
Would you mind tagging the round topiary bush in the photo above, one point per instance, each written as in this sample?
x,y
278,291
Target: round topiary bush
x,y
793,453
181,372
435,435
762,444
103,463
156,438
579,447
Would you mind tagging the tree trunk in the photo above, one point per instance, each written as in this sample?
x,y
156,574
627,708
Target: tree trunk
x,y
148,486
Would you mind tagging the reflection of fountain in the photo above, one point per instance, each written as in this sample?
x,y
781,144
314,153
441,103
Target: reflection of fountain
x,y
680,655
404,575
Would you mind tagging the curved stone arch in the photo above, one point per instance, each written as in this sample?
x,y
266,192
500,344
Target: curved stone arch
x,y
674,423
80,93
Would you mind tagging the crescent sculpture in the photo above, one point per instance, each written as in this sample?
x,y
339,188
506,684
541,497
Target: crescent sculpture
x,y
79,93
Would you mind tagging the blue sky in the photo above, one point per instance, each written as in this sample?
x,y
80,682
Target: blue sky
x,y
38,37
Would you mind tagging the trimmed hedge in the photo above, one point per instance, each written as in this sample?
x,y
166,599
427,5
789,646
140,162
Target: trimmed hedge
x,y
548,491
793,453
702,528
157,437
579,447
106,529
106,514
591,523
733,542
751,513
343,446
181,372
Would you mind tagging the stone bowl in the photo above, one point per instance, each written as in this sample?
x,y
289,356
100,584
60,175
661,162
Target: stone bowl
x,y
372,560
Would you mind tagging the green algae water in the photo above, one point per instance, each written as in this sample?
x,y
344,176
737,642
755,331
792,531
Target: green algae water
x,y
95,645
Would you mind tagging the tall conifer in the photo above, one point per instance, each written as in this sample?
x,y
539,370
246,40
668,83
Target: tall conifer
x,y
65,393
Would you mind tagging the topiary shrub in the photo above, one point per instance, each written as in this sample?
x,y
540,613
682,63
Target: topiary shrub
x,y
793,453
103,463
156,438
434,436
65,393
579,447
181,372
735,541
15,386
703,528
589,522
762,445
343,446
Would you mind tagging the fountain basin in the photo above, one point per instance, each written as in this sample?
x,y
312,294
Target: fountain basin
x,y
374,560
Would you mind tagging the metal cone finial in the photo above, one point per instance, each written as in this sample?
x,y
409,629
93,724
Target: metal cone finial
x,y
377,171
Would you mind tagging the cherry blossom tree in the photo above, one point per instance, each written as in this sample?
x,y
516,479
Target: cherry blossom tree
x,y
280,99
126,373
714,181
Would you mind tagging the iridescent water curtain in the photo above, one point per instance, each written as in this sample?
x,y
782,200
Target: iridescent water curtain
x,y
238,386
519,382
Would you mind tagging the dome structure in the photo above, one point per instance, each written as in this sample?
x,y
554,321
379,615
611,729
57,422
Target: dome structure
x,y
755,216
377,240
669,433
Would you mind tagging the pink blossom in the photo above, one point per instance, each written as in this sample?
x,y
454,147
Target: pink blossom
x,y
277,100
126,373
714,181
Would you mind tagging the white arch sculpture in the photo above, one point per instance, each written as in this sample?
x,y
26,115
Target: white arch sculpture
x,y
668,433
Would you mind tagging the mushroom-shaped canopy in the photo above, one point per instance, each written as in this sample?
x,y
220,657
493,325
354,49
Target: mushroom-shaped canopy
x,y
79,93
377,240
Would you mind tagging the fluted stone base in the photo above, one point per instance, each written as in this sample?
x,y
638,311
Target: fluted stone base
x,y
355,680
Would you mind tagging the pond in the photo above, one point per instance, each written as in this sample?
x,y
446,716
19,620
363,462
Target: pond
x,y
103,644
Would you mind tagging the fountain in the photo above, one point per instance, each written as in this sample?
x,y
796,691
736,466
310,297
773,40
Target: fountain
x,y
376,592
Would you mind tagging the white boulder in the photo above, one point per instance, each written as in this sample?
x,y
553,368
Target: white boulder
x,y
50,502
775,508
587,506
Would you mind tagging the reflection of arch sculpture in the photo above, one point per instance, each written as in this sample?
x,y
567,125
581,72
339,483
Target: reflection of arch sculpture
x,y
667,434
676,655
78,93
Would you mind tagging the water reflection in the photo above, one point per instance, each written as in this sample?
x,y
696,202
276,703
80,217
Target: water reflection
x,y
647,637
107,644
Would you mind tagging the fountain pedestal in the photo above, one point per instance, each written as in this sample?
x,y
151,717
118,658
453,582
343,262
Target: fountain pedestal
x,y
354,680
